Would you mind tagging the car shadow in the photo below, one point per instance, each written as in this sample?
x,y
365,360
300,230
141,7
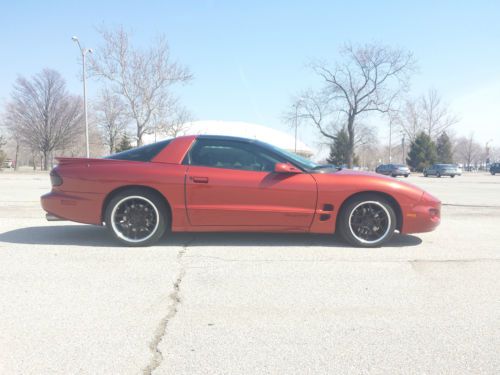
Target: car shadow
x,y
88,235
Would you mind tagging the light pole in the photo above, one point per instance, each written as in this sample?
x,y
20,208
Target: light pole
x,y
403,146
84,51
390,140
299,101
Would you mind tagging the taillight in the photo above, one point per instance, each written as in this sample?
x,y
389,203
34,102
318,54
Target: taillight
x,y
55,179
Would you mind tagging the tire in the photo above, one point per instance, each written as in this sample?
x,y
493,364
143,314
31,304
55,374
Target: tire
x,y
367,220
406,176
492,173
438,175
148,221
426,175
452,176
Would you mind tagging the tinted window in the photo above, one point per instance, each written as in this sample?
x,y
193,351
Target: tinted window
x,y
143,153
291,157
232,155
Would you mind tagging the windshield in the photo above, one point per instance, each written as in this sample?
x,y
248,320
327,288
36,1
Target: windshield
x,y
300,161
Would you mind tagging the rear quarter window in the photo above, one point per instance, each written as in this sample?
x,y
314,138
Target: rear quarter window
x,y
143,153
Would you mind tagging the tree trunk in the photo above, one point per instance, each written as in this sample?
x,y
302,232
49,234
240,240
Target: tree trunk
x,y
139,135
16,157
45,160
350,132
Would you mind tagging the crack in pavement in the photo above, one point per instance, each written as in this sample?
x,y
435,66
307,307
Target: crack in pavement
x,y
161,329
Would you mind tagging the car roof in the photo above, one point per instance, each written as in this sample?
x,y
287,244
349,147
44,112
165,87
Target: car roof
x,y
225,138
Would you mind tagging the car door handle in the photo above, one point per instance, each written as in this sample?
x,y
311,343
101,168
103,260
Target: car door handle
x,y
199,180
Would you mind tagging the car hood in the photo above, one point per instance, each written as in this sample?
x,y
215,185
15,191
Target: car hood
x,y
366,180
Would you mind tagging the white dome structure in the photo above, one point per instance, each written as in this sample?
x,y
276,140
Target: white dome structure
x,y
245,130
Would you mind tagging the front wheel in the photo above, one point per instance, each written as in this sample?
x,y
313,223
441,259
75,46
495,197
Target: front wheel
x,y
367,221
406,176
136,217
438,175
452,176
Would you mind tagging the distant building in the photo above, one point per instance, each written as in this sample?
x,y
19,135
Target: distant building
x,y
241,129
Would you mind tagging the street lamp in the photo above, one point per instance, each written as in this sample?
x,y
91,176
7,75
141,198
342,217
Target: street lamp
x,y
84,51
390,140
297,103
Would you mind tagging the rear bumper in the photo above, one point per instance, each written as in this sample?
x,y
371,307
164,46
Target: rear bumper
x,y
401,173
80,207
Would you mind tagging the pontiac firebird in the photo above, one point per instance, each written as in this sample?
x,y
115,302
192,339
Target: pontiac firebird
x,y
218,184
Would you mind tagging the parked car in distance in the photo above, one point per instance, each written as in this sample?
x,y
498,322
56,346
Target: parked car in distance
x,y
8,163
225,184
439,170
495,168
393,170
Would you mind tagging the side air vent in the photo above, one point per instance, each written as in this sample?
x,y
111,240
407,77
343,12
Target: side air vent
x,y
324,217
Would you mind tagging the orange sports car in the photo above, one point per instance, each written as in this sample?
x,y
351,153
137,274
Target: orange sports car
x,y
217,183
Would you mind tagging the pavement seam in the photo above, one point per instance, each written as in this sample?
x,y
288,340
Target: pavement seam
x,y
334,260
161,329
468,205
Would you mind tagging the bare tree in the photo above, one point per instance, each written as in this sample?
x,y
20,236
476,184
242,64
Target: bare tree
x,y
468,151
428,113
43,113
408,119
143,78
179,124
369,79
3,142
111,118
436,116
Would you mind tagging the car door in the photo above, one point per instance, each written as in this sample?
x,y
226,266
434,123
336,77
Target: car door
x,y
232,183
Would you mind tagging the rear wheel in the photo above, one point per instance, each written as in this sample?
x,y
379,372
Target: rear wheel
x,y
406,176
452,176
426,174
136,217
367,221
438,175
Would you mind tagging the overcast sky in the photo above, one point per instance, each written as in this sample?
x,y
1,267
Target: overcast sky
x,y
249,58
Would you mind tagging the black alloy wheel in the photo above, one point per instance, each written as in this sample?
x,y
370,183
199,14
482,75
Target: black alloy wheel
x,y
136,217
368,220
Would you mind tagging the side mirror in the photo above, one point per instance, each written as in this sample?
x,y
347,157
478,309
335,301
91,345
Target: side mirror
x,y
286,168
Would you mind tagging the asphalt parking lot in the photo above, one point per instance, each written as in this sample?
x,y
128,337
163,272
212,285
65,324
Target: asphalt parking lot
x,y
74,302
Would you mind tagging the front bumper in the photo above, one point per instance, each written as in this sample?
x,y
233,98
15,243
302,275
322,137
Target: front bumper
x,y
423,217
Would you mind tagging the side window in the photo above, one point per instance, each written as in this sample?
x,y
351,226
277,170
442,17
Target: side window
x,y
231,155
